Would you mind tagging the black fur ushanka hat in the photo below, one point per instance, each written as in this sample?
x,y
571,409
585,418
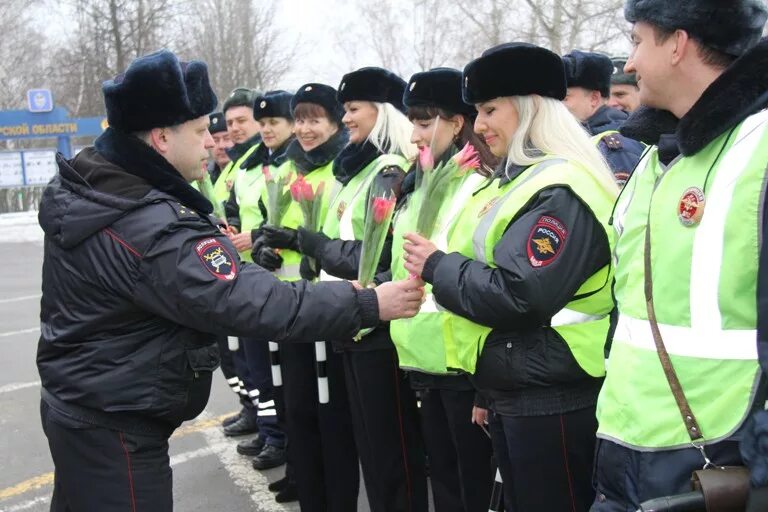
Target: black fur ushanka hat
x,y
158,90
589,70
730,26
273,104
372,84
438,87
319,94
514,69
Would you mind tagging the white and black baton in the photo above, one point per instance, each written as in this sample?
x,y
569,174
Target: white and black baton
x,y
497,494
274,359
322,372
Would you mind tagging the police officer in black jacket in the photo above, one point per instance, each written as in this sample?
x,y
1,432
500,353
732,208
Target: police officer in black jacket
x,y
138,280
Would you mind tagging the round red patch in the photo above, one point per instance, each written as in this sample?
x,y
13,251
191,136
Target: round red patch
x,y
691,207
546,241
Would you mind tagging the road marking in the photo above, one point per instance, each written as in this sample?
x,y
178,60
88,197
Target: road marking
x,y
15,386
28,504
22,331
253,483
205,423
181,458
23,297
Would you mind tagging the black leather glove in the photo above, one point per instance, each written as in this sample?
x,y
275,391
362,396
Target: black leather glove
x,y
308,269
265,256
280,238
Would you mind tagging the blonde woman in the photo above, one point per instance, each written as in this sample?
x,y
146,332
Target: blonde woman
x,y
527,275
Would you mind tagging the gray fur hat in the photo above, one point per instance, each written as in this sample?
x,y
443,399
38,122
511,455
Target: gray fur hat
x,y
730,26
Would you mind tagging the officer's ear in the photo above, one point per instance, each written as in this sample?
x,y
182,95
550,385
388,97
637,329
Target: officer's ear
x,y
159,139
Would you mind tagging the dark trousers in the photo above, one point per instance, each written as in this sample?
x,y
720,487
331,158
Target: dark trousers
x,y
106,470
387,432
321,439
459,452
625,477
241,370
546,461
260,378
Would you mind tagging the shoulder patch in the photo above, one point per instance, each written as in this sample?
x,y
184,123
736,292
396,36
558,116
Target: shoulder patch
x,y
546,241
184,212
216,259
613,141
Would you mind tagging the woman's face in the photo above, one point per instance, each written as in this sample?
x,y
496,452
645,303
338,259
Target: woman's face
x,y
497,121
437,133
311,132
359,118
275,131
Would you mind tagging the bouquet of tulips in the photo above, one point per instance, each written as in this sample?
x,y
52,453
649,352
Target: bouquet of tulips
x,y
378,217
311,204
278,196
434,184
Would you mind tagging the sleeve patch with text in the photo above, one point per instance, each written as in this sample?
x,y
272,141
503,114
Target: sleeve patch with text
x,y
216,259
546,241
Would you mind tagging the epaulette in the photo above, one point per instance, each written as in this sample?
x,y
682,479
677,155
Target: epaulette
x,y
613,141
183,212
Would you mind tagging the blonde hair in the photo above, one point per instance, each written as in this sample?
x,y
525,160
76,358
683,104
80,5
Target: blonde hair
x,y
392,131
546,126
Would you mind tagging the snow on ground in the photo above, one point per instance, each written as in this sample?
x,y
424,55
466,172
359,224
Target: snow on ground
x,y
20,227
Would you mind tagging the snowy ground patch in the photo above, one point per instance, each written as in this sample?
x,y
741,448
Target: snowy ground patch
x,y
20,227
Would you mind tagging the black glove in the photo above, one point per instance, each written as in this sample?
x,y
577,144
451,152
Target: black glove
x,y
265,256
308,269
280,238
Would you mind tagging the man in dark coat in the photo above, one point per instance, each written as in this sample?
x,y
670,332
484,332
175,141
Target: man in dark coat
x,y
589,81
137,282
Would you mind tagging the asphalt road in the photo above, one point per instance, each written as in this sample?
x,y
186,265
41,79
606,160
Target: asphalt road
x,y
207,472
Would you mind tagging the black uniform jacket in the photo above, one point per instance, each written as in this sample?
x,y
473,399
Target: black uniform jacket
x,y
526,368
137,280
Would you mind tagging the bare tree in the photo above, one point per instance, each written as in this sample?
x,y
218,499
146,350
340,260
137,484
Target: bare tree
x,y
239,41
22,55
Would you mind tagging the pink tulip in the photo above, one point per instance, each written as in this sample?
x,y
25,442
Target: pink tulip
x,y
426,160
467,157
267,174
296,189
382,208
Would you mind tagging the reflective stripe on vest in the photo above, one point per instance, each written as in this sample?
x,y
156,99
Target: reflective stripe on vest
x,y
705,293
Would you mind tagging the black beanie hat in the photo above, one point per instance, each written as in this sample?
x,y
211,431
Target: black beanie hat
x,y
319,94
372,84
729,26
438,87
273,104
514,69
239,97
589,70
619,77
158,90
218,123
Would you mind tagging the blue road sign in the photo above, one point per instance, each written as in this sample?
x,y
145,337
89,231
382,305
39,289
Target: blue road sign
x,y
39,100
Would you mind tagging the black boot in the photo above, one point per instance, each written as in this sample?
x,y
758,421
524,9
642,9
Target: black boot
x,y
270,457
279,485
231,419
290,493
251,447
244,426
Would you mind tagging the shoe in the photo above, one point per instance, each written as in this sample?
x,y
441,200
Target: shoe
x,y
279,485
290,493
231,419
270,457
251,447
242,427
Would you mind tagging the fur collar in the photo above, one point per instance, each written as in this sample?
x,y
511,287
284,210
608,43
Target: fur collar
x,y
308,161
353,159
262,156
735,95
238,150
136,157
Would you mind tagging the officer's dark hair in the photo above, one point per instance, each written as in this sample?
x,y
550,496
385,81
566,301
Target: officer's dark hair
x,y
709,55
466,135
306,110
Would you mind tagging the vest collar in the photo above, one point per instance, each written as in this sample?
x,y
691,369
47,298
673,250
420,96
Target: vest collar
x,y
308,161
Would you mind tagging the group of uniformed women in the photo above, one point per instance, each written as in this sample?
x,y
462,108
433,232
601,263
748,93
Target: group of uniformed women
x,y
506,355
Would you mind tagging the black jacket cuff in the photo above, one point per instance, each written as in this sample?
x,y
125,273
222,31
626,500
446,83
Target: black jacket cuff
x,y
311,243
430,265
369,307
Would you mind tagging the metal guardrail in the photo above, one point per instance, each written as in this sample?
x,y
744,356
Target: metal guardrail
x,y
20,199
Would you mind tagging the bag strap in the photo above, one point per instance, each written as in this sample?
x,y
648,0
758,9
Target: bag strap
x,y
691,425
